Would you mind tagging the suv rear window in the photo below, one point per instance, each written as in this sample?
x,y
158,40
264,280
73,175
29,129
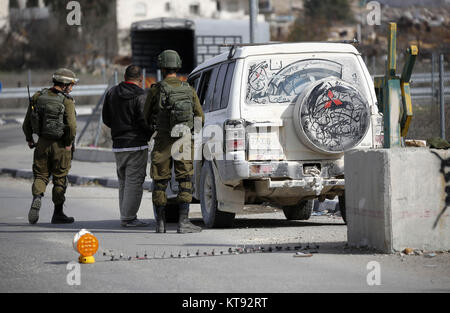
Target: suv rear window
x,y
281,81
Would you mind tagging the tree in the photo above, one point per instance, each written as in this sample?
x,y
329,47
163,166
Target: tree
x,y
330,11
52,43
318,17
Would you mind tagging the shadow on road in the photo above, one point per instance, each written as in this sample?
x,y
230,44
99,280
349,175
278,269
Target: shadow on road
x,y
114,225
275,223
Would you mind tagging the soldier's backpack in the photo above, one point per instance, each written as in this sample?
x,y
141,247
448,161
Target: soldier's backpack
x,y
178,102
47,115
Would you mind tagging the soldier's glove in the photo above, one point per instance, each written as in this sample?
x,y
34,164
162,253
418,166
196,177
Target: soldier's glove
x,y
31,144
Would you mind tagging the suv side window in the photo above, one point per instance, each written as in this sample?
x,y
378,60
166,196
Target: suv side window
x,y
227,86
219,87
203,86
194,82
209,85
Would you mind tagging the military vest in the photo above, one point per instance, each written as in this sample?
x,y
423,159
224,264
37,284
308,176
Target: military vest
x,y
176,106
47,115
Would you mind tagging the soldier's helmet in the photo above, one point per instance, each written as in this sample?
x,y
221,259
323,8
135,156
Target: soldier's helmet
x,y
65,76
169,59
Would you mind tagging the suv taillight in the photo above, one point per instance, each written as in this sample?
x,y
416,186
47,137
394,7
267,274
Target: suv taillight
x,y
234,135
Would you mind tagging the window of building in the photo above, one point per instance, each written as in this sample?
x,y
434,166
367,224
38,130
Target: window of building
x,y
167,7
140,9
32,3
14,4
233,6
264,5
194,9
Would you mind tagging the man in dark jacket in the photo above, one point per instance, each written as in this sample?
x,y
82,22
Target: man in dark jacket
x,y
123,113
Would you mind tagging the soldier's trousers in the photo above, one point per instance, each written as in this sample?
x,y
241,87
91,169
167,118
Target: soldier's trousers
x,y
51,159
161,170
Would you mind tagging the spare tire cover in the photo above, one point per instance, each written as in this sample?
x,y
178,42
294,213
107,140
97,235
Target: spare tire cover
x,y
331,116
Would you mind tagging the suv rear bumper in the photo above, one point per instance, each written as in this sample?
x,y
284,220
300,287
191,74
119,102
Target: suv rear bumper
x,y
286,179
236,170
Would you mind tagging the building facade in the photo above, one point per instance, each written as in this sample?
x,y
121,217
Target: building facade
x,y
130,11
4,15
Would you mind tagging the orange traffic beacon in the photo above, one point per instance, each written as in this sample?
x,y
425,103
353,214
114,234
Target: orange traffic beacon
x,y
86,244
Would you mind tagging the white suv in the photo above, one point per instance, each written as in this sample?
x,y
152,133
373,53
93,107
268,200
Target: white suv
x,y
278,119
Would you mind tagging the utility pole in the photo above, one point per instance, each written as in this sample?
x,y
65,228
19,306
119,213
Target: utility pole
x,y
441,94
253,19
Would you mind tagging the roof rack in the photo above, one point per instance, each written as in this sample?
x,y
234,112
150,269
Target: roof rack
x,y
352,41
233,46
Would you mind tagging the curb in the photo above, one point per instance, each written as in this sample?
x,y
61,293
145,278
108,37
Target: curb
x,y
74,179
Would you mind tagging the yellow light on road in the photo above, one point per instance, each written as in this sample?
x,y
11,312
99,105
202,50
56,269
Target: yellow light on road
x,y
86,244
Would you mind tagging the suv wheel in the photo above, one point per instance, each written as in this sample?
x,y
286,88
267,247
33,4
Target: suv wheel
x,y
301,211
212,217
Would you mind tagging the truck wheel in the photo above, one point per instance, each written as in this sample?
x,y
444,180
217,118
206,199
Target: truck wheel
x,y
342,208
212,217
301,211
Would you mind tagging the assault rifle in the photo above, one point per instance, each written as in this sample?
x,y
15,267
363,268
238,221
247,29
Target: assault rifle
x,y
32,145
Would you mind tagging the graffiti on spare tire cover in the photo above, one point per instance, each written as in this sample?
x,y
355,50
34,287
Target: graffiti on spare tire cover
x,y
335,116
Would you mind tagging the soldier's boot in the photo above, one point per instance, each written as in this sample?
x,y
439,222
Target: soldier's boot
x,y
59,217
160,217
184,225
33,214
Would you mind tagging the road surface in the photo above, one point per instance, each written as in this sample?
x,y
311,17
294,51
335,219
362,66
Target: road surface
x,y
40,258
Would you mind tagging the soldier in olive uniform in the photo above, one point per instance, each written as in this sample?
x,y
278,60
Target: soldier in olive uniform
x,y
51,115
168,101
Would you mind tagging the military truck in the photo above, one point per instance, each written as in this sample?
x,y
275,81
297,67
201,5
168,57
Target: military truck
x,y
149,38
195,40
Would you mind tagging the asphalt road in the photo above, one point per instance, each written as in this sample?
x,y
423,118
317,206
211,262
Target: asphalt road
x,y
40,258
11,132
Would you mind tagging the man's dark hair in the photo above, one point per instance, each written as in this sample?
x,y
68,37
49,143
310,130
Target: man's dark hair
x,y
169,71
133,72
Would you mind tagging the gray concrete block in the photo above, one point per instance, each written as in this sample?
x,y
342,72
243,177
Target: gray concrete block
x,y
396,199
24,174
87,154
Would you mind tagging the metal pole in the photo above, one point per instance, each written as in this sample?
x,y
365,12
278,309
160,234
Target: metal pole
x,y
253,17
373,65
441,94
432,77
104,75
358,32
29,77
143,78
158,75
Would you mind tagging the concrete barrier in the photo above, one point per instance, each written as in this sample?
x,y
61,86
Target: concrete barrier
x,y
87,154
397,198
